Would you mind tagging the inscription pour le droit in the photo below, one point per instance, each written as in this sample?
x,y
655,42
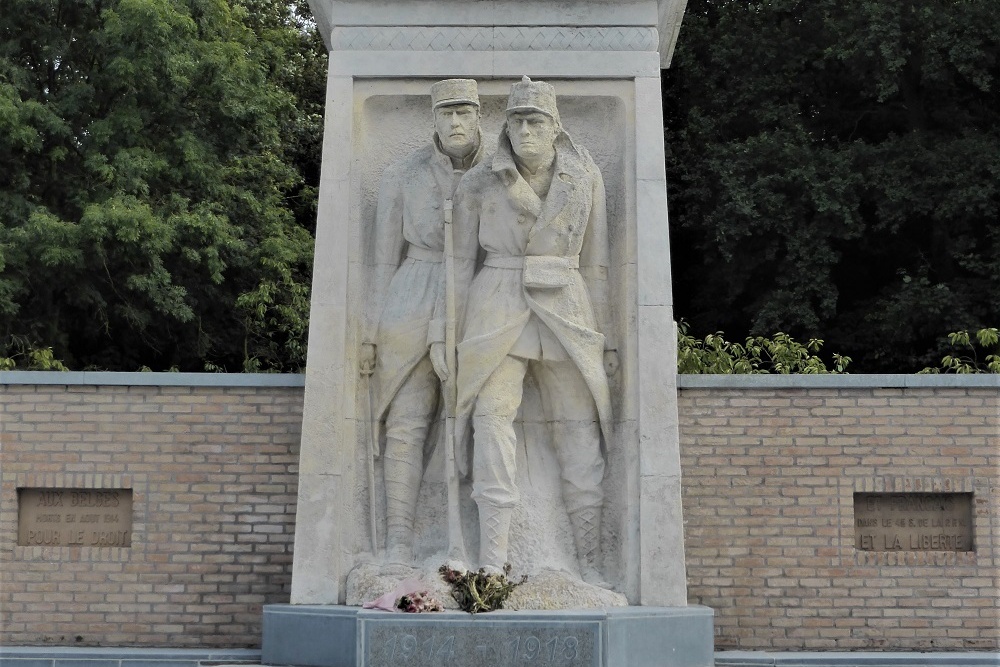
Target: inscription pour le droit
x,y
80,517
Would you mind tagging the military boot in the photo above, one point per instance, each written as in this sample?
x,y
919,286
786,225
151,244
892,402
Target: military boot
x,y
494,537
402,471
586,524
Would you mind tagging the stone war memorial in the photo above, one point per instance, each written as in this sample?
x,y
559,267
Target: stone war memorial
x,y
491,384
491,380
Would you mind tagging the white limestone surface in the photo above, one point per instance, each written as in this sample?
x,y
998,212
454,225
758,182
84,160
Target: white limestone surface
x,y
544,590
378,110
495,25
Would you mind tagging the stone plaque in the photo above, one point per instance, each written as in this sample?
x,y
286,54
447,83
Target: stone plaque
x,y
74,517
913,521
480,641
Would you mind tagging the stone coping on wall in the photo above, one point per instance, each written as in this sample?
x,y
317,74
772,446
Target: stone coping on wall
x,y
839,381
763,381
853,659
55,656
70,656
102,378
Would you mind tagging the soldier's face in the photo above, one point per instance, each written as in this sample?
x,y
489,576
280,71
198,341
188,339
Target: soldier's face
x,y
457,127
531,133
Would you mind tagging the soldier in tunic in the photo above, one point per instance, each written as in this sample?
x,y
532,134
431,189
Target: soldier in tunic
x,y
404,340
540,305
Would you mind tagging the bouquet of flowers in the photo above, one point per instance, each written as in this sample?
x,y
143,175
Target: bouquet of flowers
x,y
478,591
418,602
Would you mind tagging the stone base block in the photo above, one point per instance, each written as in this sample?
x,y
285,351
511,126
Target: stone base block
x,y
336,636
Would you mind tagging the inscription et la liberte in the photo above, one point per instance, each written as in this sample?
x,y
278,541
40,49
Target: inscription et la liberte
x,y
912,543
913,521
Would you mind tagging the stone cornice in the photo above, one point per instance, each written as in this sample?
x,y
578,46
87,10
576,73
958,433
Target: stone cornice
x,y
500,25
493,38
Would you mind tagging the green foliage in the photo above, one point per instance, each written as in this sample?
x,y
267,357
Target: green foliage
x,y
156,197
971,355
834,167
18,353
778,354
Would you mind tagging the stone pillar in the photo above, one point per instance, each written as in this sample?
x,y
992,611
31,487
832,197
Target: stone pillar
x,y
604,59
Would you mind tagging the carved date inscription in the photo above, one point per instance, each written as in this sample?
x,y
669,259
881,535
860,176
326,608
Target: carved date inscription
x,y
913,521
74,517
497,645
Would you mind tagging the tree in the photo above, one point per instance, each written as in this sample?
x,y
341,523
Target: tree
x,y
970,353
147,188
779,354
834,172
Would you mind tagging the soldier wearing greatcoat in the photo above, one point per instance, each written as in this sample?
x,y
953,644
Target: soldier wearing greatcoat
x,y
540,305
404,339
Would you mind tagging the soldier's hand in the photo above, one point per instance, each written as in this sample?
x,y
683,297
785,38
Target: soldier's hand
x,y
438,361
610,362
367,360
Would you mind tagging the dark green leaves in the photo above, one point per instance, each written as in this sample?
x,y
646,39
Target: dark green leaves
x,y
151,212
833,171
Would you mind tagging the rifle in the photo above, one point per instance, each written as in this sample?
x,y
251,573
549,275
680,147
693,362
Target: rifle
x,y
449,391
373,453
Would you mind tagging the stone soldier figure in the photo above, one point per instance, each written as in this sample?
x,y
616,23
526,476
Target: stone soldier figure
x,y
404,342
539,305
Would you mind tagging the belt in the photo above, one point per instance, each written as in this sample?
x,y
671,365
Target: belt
x,y
424,254
498,261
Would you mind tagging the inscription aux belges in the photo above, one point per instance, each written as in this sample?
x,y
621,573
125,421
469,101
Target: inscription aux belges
x,y
84,517
78,499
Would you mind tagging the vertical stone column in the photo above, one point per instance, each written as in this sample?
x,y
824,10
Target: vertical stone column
x,y
604,59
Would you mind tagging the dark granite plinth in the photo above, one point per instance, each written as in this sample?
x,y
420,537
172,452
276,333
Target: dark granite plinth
x,y
334,636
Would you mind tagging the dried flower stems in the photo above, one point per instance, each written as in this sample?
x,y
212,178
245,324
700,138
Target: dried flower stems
x,y
477,592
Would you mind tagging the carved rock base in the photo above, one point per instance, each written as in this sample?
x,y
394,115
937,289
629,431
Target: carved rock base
x,y
370,581
559,590
545,590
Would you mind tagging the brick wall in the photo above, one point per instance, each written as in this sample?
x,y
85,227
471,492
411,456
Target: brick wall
x,y
769,478
213,474
770,470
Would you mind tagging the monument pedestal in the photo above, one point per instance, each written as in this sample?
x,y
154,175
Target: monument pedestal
x,y
604,61
608,189
339,636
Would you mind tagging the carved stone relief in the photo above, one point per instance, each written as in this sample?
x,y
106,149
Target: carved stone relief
x,y
404,341
534,335
539,304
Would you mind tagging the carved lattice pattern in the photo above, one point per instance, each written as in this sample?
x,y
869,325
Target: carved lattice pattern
x,y
485,38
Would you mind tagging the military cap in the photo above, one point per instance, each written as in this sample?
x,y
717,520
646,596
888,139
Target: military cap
x,y
528,95
454,91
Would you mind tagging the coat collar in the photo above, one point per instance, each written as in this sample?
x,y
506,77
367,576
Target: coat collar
x,y
469,162
570,167
443,170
